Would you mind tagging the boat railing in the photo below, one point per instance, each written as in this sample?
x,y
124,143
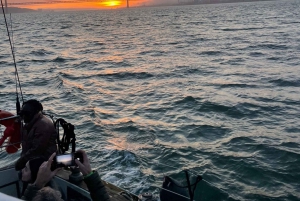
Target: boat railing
x,y
8,118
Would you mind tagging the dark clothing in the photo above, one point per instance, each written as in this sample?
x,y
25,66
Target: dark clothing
x,y
32,191
39,138
93,182
96,188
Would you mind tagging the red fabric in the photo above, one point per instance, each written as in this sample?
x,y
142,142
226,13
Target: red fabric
x,y
5,114
12,132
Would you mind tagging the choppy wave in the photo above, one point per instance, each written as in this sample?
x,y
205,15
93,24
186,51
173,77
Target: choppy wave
x,y
285,83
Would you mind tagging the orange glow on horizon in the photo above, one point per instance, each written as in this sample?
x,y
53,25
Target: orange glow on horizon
x,y
101,4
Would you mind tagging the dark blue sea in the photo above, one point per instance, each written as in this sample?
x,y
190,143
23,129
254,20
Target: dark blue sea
x,y
153,91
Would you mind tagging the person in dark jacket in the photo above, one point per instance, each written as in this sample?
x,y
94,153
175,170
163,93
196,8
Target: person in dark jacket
x,y
38,136
38,174
30,171
92,179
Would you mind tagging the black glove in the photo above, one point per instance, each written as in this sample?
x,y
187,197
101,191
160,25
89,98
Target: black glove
x,y
20,164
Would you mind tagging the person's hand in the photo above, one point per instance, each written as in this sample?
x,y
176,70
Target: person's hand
x,y
85,167
45,174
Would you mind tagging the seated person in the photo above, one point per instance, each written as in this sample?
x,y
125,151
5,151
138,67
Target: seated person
x,y
91,178
47,194
38,134
29,176
29,172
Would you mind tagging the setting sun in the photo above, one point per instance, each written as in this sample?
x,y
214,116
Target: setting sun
x,y
111,3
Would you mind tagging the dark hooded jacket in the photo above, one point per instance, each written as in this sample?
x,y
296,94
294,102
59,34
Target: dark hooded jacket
x,y
38,140
96,187
33,191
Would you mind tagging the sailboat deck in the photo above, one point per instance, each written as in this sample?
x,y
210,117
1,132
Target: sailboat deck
x,y
113,191
11,185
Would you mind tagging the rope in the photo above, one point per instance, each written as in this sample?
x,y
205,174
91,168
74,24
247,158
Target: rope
x,y
172,192
215,186
7,145
68,136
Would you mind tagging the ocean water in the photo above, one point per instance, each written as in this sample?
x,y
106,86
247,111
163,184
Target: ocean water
x,y
153,91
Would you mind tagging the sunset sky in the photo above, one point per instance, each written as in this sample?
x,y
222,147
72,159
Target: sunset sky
x,y
101,4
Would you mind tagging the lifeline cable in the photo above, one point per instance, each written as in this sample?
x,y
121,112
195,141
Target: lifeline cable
x,y
173,192
14,59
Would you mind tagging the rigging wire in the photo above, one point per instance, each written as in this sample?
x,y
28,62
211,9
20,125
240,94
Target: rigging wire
x,y
172,192
12,33
14,58
13,51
